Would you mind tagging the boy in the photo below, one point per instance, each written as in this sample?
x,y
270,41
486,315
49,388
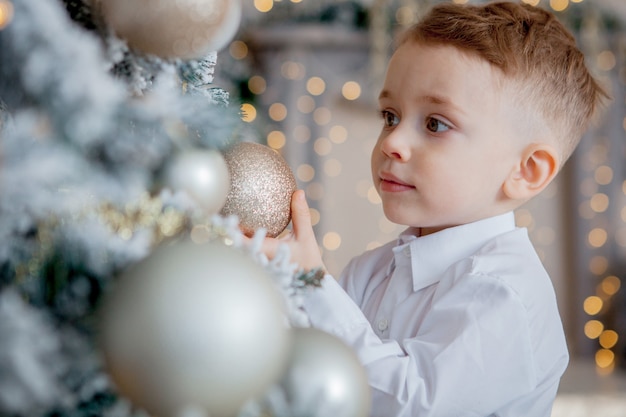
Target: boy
x,y
481,106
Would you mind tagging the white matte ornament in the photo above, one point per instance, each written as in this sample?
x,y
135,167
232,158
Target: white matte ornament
x,y
203,174
325,377
185,29
194,327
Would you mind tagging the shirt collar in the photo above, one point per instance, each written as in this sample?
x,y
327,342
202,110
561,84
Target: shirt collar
x,y
432,254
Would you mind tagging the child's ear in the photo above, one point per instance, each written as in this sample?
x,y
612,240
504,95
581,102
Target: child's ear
x,y
537,167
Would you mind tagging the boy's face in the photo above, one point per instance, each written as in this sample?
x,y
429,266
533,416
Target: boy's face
x,y
449,139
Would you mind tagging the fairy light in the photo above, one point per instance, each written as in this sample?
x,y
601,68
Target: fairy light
x,y
351,90
593,305
322,146
263,6
603,175
6,13
322,116
276,139
331,241
257,84
593,329
292,70
238,49
597,237
599,202
598,265
249,112
278,112
305,104
305,172
338,134
315,86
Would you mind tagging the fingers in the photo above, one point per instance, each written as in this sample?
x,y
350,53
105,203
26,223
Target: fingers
x,y
300,216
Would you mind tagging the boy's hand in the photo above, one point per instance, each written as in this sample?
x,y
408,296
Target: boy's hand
x,y
301,240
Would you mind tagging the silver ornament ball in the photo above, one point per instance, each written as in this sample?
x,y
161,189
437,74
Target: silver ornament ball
x,y
324,377
261,187
198,326
203,175
185,29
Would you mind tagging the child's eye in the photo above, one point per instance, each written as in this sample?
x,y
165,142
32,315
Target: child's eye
x,y
389,119
435,125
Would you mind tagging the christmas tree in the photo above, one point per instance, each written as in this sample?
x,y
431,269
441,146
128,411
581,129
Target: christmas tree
x,y
111,134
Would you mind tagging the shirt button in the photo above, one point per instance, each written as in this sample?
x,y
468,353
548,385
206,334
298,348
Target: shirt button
x,y
407,251
382,325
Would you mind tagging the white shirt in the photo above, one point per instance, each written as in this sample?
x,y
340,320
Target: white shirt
x,y
462,322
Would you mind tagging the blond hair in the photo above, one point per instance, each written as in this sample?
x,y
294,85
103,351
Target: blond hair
x,y
530,47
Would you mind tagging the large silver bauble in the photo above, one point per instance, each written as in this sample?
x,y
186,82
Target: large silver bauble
x,y
185,29
261,187
325,377
199,326
201,173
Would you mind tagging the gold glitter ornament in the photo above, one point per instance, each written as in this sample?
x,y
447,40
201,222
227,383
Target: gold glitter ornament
x,y
261,187
185,29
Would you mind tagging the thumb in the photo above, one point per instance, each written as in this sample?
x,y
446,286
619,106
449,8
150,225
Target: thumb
x,y
300,216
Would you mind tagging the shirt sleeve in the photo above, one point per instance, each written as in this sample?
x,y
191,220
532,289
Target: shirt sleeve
x,y
472,354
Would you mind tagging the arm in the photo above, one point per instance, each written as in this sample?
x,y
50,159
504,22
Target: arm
x,y
468,358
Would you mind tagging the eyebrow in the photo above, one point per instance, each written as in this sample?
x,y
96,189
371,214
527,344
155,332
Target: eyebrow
x,y
434,99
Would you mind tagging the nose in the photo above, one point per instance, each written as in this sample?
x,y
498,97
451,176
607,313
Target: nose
x,y
395,145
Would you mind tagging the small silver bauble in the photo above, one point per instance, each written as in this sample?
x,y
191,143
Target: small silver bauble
x,y
194,326
201,173
261,187
325,377
185,29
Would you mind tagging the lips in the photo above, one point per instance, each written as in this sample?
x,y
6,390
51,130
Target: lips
x,y
391,183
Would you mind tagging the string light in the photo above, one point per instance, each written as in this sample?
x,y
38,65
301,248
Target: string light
x,y
331,241
351,90
248,112
559,5
6,13
305,172
263,6
257,84
238,50
315,86
276,139
278,112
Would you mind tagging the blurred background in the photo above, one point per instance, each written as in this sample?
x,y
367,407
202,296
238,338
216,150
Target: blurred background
x,y
308,74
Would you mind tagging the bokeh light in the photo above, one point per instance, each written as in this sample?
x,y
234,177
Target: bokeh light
x,y
6,13
305,172
276,139
559,5
593,329
238,49
315,86
593,305
351,90
263,6
257,84
331,241
278,112
248,112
